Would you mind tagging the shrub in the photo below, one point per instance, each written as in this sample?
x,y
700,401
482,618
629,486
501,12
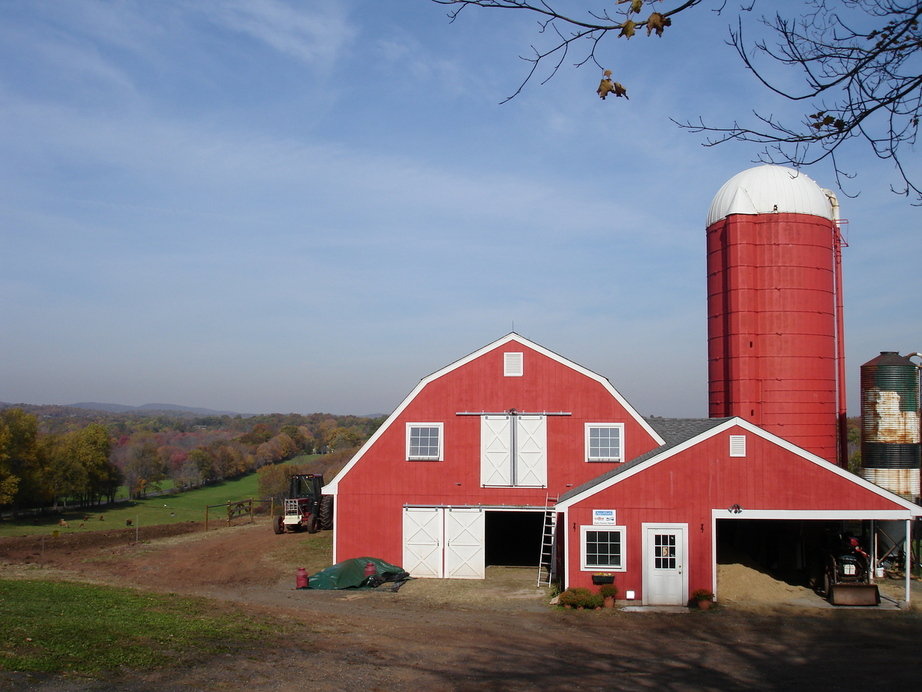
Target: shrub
x,y
579,597
702,595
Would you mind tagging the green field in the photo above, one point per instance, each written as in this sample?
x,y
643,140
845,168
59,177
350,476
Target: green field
x,y
163,509
80,628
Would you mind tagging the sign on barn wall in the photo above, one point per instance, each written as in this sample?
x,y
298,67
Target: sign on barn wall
x,y
603,517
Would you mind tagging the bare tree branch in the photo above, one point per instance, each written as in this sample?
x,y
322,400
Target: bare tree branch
x,y
858,64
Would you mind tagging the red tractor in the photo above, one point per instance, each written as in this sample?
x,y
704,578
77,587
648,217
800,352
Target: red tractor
x,y
306,509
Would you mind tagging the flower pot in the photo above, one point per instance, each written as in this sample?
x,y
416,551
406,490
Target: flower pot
x,y
609,602
598,579
705,604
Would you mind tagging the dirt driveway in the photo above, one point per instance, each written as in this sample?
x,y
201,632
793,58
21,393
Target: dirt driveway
x,y
460,635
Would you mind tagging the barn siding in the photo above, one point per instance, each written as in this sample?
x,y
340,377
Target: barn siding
x,y
372,494
687,486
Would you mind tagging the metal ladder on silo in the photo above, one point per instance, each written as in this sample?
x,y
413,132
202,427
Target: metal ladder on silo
x,y
548,547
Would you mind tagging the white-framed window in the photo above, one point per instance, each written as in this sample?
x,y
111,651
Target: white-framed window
x,y
603,549
737,445
425,441
604,441
513,364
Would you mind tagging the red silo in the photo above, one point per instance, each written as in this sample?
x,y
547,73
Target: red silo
x,y
775,351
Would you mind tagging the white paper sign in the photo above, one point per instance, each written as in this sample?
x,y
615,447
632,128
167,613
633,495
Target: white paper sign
x,y
603,517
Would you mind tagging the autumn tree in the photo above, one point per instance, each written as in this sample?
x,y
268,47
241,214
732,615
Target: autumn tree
x,y
857,64
20,473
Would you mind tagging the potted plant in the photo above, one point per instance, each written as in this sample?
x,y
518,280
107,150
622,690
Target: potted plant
x,y
608,593
703,599
599,578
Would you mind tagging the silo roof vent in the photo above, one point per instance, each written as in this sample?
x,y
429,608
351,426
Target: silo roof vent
x,y
770,189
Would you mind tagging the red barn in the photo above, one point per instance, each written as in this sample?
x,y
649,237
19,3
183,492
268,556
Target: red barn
x,y
493,452
467,463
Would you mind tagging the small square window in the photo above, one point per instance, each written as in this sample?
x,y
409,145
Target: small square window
x,y
604,441
737,445
424,441
602,549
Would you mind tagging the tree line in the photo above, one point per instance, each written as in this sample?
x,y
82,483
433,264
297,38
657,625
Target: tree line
x,y
82,459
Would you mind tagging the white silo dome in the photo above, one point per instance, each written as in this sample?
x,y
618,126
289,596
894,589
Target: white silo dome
x,y
770,189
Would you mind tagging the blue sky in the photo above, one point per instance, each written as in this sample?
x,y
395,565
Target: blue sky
x,y
261,205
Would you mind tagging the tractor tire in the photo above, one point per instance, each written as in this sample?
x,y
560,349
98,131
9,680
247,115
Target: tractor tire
x,y
313,524
278,525
326,512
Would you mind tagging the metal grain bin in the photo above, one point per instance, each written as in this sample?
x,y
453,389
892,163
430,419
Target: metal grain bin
x,y
891,453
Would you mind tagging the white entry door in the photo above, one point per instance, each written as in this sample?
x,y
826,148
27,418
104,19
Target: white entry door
x,y
464,543
422,541
664,572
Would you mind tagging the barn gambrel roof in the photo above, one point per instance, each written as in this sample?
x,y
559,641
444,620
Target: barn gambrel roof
x,y
331,487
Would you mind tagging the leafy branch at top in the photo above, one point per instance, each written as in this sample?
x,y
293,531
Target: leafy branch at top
x,y
586,29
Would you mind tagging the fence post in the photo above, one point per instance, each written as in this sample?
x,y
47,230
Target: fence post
x,y
206,518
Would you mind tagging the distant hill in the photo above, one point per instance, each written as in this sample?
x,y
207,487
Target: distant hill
x,y
151,408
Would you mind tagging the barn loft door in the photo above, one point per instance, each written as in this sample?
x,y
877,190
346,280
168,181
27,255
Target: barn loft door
x,y
531,445
464,543
513,450
496,450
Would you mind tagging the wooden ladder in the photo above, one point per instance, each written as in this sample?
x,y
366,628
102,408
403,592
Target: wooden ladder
x,y
548,547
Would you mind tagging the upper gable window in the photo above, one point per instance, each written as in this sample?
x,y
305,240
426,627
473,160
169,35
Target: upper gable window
x,y
604,441
737,445
424,441
513,364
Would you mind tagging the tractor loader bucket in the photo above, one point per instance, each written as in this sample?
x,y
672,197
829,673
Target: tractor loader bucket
x,y
855,595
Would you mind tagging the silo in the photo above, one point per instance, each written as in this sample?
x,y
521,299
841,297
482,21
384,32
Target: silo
x,y
775,351
891,453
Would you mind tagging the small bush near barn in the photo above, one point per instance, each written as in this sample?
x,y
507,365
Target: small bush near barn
x,y
580,597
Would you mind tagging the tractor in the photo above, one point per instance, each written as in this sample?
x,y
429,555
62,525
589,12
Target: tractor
x,y
847,574
306,509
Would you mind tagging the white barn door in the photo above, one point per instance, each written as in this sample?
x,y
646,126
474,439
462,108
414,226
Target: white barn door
x,y
495,450
464,543
530,453
513,451
422,541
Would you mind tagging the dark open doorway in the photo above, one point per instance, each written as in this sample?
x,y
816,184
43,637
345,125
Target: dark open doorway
x,y
513,538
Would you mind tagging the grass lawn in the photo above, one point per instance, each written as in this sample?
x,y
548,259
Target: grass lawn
x,y
80,628
163,509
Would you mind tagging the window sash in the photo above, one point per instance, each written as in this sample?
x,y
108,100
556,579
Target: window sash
x,y
424,441
603,549
604,441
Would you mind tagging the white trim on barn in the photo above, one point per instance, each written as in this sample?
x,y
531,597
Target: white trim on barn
x,y
332,487
910,509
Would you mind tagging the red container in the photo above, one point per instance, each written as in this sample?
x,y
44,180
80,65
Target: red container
x,y
773,325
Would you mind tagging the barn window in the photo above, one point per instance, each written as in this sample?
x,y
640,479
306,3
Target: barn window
x,y
604,441
602,549
424,441
737,445
513,364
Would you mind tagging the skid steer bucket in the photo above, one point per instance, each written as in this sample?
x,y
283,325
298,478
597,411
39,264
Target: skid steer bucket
x,y
855,595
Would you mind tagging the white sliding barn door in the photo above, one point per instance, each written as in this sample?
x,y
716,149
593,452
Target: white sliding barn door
x,y
531,451
464,543
422,541
495,450
513,451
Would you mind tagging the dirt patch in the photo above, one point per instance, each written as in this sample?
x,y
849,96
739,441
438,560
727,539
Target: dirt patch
x,y
458,634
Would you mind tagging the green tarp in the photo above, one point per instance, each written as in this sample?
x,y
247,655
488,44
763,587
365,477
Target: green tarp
x,y
350,574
